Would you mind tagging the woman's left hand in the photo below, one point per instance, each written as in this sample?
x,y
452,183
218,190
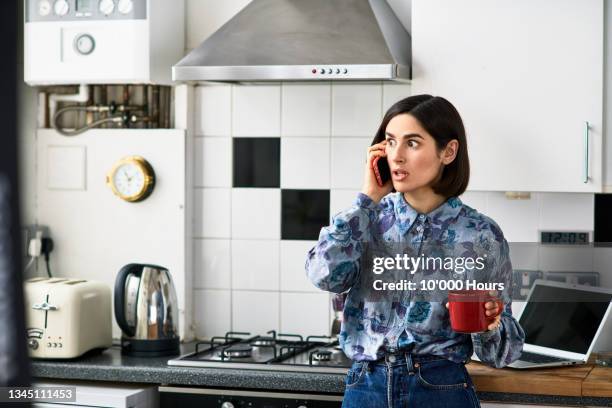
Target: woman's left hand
x,y
491,309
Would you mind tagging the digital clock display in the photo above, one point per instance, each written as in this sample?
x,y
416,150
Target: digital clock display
x,y
564,237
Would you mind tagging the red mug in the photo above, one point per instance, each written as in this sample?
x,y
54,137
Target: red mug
x,y
467,310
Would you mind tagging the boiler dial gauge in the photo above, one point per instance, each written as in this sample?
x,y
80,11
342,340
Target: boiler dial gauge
x,y
106,7
44,7
125,6
61,7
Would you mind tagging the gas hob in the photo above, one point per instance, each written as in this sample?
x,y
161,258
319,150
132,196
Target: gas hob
x,y
274,352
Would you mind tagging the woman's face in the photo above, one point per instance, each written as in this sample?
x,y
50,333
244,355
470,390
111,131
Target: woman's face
x,y
412,154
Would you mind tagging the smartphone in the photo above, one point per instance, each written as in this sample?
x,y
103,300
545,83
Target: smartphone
x,y
381,170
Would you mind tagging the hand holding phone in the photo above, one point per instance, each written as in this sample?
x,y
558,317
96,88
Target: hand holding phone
x,y
381,170
377,178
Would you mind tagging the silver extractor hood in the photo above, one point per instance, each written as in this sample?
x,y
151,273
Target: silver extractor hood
x,y
301,40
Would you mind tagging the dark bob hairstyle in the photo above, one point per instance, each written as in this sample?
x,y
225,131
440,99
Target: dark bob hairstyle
x,y
442,121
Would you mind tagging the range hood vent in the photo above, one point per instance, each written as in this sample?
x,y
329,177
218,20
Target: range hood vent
x,y
301,40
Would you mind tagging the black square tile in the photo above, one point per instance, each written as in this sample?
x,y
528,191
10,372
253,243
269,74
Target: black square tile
x,y
304,213
256,162
603,220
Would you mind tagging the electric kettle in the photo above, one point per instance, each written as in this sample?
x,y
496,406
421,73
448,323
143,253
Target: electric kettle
x,y
146,311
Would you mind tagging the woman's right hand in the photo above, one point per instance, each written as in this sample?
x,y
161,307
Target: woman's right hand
x,y
370,185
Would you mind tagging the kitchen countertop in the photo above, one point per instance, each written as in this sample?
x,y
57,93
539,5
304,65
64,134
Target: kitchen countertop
x,y
582,385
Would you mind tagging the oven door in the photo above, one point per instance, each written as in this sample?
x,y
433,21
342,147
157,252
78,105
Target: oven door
x,y
185,397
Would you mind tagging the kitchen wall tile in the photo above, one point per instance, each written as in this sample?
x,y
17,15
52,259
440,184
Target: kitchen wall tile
x,y
212,263
603,219
256,162
256,110
348,159
394,92
255,312
304,212
213,110
477,200
306,109
255,213
341,199
255,264
518,219
566,211
213,162
305,162
212,312
292,266
212,213
356,109
305,313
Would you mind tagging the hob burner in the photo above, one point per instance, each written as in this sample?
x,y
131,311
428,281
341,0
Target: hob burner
x,y
263,341
237,351
322,355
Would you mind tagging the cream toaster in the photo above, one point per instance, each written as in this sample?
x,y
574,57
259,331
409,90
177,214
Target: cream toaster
x,y
67,317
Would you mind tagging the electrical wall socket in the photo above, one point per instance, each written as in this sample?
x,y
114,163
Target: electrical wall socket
x,y
29,232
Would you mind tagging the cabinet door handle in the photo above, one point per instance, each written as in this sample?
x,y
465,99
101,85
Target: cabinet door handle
x,y
585,174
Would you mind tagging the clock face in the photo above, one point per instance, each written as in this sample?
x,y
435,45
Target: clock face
x,y
132,179
129,180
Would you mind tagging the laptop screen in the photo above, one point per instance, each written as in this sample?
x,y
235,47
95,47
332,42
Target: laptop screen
x,y
563,318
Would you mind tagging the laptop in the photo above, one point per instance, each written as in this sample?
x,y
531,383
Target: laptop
x,y
562,323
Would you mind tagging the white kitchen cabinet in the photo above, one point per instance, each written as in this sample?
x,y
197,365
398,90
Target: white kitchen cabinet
x,y
526,76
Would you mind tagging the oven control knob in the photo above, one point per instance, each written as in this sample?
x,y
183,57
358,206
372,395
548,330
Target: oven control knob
x,y
33,344
227,404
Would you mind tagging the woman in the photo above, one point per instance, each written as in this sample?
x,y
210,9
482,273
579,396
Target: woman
x,y
404,351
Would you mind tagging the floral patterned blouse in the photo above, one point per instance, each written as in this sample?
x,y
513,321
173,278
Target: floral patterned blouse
x,y
397,321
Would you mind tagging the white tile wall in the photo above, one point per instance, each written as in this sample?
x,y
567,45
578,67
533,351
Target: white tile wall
x,y
255,264
255,213
256,110
255,312
212,263
213,312
305,162
306,109
356,109
213,107
244,270
295,306
340,200
213,158
292,272
212,213
348,157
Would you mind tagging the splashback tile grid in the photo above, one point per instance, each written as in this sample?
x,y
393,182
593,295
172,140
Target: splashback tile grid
x,y
275,163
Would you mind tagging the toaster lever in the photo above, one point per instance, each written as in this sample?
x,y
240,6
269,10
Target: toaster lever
x,y
43,306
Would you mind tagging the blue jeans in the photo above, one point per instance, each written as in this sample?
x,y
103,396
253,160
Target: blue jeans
x,y
404,380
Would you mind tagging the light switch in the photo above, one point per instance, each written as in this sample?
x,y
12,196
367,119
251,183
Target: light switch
x,y
66,167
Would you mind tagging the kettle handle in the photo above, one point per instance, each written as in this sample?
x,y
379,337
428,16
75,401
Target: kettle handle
x,y
120,297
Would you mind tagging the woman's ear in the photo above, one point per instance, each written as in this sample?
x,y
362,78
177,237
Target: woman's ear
x,y
450,152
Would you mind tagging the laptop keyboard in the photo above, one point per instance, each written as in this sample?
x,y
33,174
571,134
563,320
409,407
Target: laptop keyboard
x,y
539,358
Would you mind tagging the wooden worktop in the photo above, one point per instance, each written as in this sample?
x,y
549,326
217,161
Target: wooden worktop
x,y
578,381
